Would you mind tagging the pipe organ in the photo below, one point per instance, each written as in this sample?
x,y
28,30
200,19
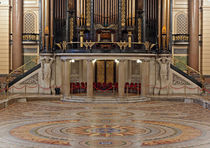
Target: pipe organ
x,y
106,21
106,12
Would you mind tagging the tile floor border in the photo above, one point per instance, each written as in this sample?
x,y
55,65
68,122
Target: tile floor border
x,y
201,100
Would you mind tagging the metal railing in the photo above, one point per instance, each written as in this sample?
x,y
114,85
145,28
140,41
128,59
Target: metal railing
x,y
191,72
90,45
19,71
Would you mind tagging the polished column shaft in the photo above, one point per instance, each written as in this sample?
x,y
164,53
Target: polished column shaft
x,y
121,78
193,52
90,78
17,30
66,78
144,69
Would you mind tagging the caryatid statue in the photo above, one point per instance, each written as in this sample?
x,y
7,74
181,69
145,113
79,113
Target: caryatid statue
x,y
46,64
164,73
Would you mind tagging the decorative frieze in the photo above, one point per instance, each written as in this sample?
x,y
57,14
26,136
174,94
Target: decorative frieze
x,y
32,80
179,81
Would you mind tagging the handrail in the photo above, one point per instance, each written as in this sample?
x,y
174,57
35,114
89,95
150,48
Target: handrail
x,y
20,70
89,44
190,70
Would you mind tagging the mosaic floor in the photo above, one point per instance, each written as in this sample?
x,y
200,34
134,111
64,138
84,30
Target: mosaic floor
x,y
63,124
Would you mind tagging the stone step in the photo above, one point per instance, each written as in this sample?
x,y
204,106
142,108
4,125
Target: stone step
x,y
106,100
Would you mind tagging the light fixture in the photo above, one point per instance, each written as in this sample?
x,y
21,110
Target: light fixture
x,y
72,61
116,61
139,61
94,61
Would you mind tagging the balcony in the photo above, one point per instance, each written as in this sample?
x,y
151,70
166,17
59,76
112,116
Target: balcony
x,y
105,47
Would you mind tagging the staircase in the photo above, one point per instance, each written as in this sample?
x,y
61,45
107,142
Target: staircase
x,y
194,76
22,72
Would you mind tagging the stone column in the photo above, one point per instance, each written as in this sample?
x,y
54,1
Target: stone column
x,y
81,71
90,72
17,30
84,71
58,69
121,78
144,78
193,51
66,78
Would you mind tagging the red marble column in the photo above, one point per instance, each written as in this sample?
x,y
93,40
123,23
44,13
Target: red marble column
x,y
17,30
193,51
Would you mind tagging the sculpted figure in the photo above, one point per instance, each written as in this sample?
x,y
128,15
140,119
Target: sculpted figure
x,y
163,62
164,73
46,70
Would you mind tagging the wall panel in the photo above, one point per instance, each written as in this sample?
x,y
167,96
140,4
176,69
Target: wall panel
x,y
4,37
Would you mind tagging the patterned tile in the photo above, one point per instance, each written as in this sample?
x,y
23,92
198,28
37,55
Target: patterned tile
x,y
79,125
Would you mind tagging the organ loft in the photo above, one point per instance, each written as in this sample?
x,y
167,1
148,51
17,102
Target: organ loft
x,y
106,26
107,45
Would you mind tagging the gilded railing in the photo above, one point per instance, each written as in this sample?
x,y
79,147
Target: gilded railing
x,y
180,37
192,72
28,37
88,45
19,71
183,37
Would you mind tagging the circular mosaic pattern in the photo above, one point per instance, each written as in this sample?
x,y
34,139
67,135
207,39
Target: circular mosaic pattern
x,y
165,114
106,108
107,121
106,130
42,114
97,126
105,114
44,132
105,143
59,132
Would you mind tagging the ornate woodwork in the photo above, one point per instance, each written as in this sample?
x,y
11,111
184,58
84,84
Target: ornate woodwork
x,y
110,24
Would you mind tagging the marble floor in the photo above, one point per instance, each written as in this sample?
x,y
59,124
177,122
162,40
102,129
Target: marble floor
x,y
63,124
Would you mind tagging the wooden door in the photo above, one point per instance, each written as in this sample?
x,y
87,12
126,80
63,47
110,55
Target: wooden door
x,y
105,71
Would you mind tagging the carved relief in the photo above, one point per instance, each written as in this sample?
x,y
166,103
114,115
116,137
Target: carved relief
x,y
179,81
164,64
164,68
46,64
31,80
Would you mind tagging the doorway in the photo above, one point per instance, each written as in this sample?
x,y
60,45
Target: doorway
x,y
105,72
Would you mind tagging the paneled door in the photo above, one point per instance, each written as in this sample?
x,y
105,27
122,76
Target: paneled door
x,y
105,71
